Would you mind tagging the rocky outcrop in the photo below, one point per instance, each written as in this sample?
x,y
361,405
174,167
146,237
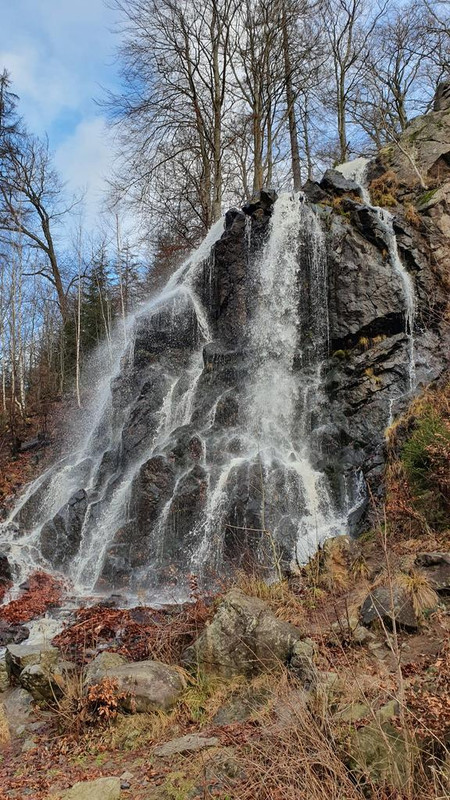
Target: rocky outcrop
x,y
245,638
173,481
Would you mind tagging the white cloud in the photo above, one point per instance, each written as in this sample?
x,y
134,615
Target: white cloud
x,y
59,54
85,160
45,87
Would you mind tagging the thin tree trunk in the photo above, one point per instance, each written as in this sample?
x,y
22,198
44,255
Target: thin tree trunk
x,y
290,103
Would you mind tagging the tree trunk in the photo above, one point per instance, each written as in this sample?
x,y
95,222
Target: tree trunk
x,y
290,104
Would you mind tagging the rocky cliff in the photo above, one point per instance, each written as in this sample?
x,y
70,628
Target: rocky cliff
x,y
244,417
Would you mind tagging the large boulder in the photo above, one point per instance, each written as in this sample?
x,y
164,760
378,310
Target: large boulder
x,y
20,656
436,568
102,666
143,686
45,682
384,605
333,182
380,753
244,638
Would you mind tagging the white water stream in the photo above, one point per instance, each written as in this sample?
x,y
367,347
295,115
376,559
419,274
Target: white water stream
x,y
271,476
357,171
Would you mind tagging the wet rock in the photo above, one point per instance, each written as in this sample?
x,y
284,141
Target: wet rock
x,y
61,536
243,638
436,568
264,200
380,606
147,685
12,634
5,570
100,789
334,183
20,656
314,192
191,743
234,217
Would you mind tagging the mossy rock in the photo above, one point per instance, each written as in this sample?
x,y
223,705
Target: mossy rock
x,y
379,752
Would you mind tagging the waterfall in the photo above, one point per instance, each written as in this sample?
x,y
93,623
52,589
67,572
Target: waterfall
x,y
357,171
197,465
287,342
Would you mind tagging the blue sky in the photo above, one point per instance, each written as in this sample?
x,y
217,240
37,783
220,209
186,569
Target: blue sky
x,y
60,53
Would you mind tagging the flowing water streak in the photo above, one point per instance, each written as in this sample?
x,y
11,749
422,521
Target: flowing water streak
x,y
357,171
291,287
293,266
63,480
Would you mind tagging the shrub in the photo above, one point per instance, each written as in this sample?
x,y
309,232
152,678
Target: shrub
x,y
425,457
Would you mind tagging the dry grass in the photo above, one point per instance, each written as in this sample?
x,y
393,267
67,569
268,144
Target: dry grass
x,y
285,604
383,190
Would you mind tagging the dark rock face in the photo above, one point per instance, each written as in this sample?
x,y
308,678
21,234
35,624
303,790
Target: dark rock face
x,y
442,97
5,569
334,183
168,473
60,537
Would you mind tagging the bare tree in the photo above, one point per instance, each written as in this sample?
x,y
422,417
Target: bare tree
x,y
31,204
349,27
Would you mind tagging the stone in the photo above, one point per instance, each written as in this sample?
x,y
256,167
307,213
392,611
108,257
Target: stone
x,y
61,536
147,685
436,568
378,607
350,630
5,733
442,97
242,705
314,192
4,676
5,570
191,743
100,667
333,182
20,656
18,706
243,638
100,789
12,634
301,663
379,751
352,712
43,683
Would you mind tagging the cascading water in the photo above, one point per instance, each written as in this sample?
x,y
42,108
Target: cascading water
x,y
287,342
200,454
357,171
